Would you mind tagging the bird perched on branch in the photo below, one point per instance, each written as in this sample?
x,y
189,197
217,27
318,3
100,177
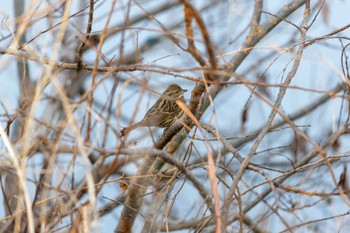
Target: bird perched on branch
x,y
164,112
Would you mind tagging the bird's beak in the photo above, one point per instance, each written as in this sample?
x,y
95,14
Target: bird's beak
x,y
184,90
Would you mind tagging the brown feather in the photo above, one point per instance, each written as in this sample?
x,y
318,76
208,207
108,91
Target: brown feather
x,y
164,112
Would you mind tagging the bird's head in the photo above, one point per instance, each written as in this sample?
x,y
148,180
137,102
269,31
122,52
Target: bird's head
x,y
175,91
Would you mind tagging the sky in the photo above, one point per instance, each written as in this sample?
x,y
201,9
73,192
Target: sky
x,y
320,69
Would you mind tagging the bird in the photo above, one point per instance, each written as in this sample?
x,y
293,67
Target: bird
x,y
164,112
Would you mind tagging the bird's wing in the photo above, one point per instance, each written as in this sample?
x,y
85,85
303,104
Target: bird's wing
x,y
158,119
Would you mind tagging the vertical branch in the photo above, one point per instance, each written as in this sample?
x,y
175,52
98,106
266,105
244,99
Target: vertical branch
x,y
204,32
255,23
191,12
87,35
19,165
190,38
121,48
80,51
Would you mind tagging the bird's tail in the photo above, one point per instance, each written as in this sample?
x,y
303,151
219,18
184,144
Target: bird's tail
x,y
127,130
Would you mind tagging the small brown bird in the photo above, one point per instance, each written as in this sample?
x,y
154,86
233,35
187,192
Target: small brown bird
x,y
164,112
